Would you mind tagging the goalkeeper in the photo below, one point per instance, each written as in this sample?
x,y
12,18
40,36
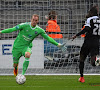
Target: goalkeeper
x,y
23,43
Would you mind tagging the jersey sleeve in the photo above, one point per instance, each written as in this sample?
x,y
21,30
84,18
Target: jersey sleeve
x,y
9,30
86,29
31,45
49,39
87,23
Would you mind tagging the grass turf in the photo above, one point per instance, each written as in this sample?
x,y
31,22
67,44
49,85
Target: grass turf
x,y
51,83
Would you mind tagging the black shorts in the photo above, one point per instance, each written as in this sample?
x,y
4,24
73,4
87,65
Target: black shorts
x,y
90,47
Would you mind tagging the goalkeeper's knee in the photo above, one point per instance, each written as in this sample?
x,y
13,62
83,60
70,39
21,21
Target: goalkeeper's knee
x,y
27,54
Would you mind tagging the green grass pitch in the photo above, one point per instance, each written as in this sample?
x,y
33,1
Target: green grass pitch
x,y
51,83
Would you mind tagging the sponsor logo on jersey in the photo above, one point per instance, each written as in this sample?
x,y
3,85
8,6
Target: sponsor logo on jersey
x,y
17,27
29,35
36,32
26,38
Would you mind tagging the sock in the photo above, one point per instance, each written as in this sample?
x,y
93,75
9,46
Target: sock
x,y
93,59
25,65
81,67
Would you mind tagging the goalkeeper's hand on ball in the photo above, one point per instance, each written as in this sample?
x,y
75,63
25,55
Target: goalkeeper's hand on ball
x,y
62,47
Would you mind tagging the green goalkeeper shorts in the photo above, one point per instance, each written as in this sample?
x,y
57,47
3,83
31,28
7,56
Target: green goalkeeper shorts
x,y
17,53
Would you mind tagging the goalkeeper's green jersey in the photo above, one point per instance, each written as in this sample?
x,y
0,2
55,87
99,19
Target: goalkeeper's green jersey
x,y
27,34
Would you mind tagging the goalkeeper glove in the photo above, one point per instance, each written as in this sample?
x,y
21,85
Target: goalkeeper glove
x,y
62,47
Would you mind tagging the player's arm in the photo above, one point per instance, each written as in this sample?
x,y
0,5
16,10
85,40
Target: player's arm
x,y
86,29
31,45
51,40
9,30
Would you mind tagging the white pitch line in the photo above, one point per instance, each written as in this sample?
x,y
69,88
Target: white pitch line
x,y
45,86
39,78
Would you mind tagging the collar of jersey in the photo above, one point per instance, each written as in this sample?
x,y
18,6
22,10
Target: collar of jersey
x,y
32,27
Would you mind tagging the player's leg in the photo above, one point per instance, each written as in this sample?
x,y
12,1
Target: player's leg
x,y
27,53
81,67
16,56
94,55
93,59
15,71
83,54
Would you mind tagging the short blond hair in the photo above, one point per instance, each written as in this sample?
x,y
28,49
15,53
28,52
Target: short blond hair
x,y
35,15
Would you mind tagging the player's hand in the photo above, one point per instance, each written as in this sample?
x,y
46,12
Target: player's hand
x,y
73,37
62,47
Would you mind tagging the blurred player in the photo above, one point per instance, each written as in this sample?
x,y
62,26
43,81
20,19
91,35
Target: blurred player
x,y
23,43
52,25
53,30
91,43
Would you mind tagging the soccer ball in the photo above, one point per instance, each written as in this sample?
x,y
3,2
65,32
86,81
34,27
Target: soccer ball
x,y
20,79
97,62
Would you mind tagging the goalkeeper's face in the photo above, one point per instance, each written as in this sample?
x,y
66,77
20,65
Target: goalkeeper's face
x,y
34,21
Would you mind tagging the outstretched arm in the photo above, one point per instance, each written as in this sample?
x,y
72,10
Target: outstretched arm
x,y
9,30
86,29
51,40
